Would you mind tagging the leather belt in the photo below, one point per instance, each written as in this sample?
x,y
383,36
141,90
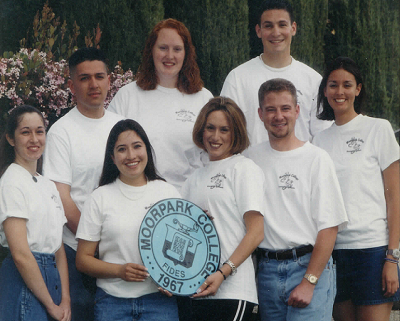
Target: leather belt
x,y
287,254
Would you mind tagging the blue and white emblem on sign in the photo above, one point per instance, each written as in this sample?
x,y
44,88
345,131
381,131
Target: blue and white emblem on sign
x,y
179,245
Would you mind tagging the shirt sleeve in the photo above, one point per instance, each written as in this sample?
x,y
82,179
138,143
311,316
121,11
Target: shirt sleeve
x,y
118,104
229,89
386,147
91,221
249,187
327,205
57,160
12,203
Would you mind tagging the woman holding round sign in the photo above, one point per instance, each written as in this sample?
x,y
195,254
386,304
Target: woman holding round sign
x,y
165,99
230,188
34,276
110,221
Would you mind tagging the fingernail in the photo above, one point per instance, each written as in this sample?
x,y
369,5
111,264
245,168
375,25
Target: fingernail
x,y
198,291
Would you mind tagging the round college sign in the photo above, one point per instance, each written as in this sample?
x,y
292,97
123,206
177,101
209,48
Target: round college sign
x,y
179,245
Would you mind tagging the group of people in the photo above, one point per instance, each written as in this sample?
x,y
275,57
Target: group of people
x,y
302,188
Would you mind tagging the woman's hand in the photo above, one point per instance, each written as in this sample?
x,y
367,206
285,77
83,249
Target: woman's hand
x,y
390,280
57,312
132,272
66,306
165,292
210,285
208,214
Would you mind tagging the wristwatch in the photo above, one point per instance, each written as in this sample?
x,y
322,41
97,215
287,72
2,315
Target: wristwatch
x,y
311,278
395,253
232,266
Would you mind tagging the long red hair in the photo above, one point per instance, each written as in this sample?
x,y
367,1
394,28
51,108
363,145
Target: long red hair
x,y
189,80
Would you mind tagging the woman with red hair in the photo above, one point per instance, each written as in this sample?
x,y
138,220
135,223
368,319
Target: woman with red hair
x,y
166,98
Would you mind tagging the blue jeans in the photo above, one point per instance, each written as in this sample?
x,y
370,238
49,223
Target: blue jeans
x,y
17,302
277,279
150,307
82,299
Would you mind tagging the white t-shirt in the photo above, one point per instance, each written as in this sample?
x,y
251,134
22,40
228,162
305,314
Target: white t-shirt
x,y
167,115
74,155
361,149
38,202
302,196
112,215
228,189
242,85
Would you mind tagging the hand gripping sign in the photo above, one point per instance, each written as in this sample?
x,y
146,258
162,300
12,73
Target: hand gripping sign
x,y
179,245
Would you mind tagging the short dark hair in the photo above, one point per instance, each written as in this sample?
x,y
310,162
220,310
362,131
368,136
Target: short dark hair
x,y
276,85
275,5
350,66
236,120
110,171
7,152
86,54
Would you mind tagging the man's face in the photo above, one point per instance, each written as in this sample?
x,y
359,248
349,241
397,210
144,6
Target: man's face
x,y
276,31
90,83
279,112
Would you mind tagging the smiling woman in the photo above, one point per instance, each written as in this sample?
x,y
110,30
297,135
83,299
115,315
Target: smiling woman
x,y
130,157
129,185
230,187
31,222
165,99
366,157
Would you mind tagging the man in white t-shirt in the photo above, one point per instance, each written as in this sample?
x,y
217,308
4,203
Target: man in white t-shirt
x,y
275,28
74,158
304,211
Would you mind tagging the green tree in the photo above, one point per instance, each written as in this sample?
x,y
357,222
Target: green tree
x,y
125,25
368,32
219,32
16,18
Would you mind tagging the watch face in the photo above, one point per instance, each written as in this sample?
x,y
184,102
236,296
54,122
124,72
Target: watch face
x,y
396,253
313,279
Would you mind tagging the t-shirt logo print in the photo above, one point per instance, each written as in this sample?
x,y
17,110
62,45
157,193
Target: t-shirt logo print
x,y
217,181
286,181
185,115
56,200
354,145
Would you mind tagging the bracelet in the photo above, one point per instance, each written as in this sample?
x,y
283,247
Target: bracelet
x,y
233,267
219,270
391,260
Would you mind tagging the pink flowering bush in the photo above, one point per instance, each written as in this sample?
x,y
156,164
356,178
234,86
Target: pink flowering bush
x,y
30,77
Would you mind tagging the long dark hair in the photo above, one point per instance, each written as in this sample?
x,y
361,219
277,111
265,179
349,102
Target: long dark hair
x,y
350,66
110,171
7,152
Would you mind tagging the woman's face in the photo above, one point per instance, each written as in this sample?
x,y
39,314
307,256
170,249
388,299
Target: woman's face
x,y
29,140
168,57
130,157
217,136
341,90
